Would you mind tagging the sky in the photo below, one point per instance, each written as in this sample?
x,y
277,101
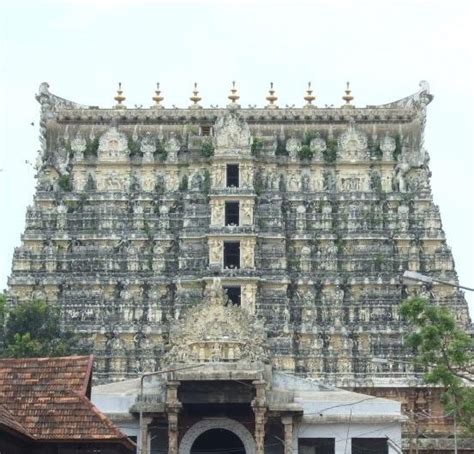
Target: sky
x,y
82,48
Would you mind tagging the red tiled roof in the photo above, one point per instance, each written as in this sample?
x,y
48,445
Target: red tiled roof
x,y
8,422
47,397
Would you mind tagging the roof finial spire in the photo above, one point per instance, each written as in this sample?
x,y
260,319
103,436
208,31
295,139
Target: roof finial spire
x,y
271,98
309,98
158,98
195,98
120,98
348,97
233,96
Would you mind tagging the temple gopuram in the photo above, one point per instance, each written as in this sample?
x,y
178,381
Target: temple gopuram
x,y
297,221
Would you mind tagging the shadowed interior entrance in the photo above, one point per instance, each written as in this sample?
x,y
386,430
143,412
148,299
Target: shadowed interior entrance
x,y
218,441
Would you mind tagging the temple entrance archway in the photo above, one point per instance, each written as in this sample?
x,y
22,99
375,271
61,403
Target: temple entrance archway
x,y
219,436
218,441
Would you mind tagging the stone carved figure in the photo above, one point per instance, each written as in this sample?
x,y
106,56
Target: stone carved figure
x,y
387,145
148,147
113,146
352,145
293,145
172,146
232,132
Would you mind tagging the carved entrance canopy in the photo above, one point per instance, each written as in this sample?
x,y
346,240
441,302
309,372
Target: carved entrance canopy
x,y
216,331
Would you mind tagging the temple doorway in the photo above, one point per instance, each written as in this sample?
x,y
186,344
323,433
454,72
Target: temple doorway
x,y
218,441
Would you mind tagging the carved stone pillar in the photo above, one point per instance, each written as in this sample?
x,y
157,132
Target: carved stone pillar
x,y
287,421
260,410
173,406
144,436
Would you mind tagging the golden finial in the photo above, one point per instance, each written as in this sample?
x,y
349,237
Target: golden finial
x,y
271,98
309,98
120,98
348,97
158,98
195,98
233,95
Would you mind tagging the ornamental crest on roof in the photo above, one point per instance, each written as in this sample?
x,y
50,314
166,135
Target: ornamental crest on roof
x,y
352,144
217,331
113,145
232,132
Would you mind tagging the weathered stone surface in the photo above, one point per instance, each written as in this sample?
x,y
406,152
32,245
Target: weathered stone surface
x,y
127,230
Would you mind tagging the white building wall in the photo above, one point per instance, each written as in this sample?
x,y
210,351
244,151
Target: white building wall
x,y
344,432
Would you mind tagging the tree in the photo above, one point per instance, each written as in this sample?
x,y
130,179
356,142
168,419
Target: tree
x,y
446,353
32,329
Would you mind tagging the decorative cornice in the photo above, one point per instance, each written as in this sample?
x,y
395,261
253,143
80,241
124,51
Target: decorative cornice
x,y
403,110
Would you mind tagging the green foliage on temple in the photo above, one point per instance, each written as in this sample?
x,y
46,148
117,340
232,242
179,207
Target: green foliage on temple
x,y
64,183
206,184
32,329
281,148
92,147
134,147
398,147
446,353
257,146
160,152
305,152
207,149
330,153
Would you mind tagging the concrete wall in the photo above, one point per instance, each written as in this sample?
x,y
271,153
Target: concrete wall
x,y
343,433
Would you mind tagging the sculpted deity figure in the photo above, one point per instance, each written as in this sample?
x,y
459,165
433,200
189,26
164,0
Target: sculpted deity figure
x,y
62,215
218,213
401,169
403,217
247,212
214,251
293,145
286,319
247,256
218,176
246,176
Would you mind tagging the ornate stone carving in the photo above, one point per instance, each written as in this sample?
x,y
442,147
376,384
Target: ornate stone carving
x,y
216,331
293,145
352,145
148,147
387,145
113,146
172,146
232,133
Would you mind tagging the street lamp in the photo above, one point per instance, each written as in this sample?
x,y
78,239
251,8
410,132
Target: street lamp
x,y
411,276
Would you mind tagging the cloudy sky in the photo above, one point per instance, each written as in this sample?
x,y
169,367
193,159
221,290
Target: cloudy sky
x,y
84,47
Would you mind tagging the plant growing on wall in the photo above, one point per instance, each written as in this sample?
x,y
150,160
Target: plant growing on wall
x,y
398,147
207,149
305,152
330,153
257,145
64,183
281,148
206,184
92,147
160,152
183,185
134,147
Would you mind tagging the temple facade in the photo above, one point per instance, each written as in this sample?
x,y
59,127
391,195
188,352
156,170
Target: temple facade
x,y
304,218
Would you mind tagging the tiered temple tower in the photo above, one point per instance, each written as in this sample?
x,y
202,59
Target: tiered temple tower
x,y
307,217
